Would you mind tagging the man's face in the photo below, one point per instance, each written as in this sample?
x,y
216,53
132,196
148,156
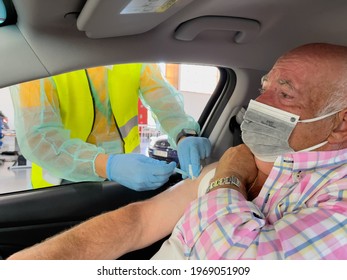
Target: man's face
x,y
293,85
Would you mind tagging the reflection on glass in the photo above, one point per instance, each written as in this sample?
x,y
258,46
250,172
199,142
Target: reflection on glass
x,y
2,12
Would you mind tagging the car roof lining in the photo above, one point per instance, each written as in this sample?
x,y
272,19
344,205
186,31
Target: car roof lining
x,y
101,19
47,42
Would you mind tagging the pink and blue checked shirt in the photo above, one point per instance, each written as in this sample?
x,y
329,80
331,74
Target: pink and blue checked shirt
x,y
300,213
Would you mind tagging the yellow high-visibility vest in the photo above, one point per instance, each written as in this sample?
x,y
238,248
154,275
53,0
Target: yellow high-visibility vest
x,y
77,110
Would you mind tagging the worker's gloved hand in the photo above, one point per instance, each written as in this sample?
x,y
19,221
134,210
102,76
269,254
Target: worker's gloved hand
x,y
138,172
190,151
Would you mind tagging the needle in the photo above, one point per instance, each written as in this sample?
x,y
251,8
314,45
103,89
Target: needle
x,y
180,171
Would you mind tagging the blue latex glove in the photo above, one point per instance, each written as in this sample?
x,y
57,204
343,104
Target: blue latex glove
x,y
138,172
190,151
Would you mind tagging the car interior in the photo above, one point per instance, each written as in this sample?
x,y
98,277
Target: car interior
x,y
242,38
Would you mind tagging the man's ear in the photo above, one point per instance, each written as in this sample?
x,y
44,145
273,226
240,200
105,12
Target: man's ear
x,y
339,133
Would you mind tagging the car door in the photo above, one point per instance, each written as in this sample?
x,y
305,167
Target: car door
x,y
32,215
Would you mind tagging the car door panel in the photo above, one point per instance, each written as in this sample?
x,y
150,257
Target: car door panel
x,y
28,217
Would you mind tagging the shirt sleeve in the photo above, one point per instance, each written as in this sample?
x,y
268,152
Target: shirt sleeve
x,y
165,102
223,225
42,137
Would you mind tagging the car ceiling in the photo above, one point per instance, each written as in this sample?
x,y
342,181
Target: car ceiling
x,y
52,36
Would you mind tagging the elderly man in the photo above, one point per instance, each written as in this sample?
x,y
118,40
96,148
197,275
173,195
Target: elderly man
x,y
282,195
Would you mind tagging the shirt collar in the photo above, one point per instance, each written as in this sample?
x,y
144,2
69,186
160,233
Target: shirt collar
x,y
311,160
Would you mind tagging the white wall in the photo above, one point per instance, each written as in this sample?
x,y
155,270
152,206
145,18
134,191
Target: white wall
x,y
194,103
6,106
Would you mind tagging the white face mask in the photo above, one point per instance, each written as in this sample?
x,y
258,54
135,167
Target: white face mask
x,y
266,130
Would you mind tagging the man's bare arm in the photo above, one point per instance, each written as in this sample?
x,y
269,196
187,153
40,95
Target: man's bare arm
x,y
110,235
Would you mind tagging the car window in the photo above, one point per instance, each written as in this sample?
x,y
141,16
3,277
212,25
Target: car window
x,y
196,83
2,12
8,13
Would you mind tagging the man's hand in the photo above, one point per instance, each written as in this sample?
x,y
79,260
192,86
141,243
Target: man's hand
x,y
237,161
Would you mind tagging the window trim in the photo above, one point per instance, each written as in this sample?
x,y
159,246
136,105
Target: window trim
x,y
218,100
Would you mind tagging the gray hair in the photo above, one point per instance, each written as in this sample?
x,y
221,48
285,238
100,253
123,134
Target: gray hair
x,y
337,99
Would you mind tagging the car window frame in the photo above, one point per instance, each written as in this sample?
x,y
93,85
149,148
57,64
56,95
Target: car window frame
x,y
218,101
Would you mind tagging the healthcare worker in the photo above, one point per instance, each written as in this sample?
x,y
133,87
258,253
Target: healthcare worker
x,y
83,126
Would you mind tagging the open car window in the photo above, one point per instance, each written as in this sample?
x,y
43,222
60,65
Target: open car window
x,y
8,13
3,13
196,84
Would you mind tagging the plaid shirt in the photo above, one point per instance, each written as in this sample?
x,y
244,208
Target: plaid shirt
x,y
300,213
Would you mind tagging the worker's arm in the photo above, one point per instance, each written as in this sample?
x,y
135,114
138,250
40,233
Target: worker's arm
x,y
165,102
42,137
